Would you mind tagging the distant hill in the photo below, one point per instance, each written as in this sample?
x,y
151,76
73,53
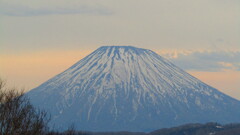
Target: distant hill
x,y
200,129
189,129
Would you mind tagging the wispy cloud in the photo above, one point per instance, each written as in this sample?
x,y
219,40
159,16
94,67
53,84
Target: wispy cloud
x,y
205,60
23,10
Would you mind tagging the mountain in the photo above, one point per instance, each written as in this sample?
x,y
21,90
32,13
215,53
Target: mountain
x,y
123,88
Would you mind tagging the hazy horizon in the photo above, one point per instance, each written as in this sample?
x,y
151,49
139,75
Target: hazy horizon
x,y
37,68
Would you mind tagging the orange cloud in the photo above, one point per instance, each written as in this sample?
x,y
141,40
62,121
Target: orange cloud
x,y
230,66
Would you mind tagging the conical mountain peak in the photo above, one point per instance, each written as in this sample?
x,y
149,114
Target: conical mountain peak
x,y
121,47
118,88
117,49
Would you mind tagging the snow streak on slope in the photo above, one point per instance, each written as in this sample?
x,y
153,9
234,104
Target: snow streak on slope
x,y
126,88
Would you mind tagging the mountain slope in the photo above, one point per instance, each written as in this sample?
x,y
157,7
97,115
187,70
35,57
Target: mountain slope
x,y
119,88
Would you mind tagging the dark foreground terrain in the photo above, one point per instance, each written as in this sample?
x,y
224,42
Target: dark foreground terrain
x,y
189,129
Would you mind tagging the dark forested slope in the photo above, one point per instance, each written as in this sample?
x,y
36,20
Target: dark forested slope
x,y
189,129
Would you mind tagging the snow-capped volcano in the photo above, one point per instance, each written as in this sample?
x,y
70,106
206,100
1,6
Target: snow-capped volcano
x,y
118,88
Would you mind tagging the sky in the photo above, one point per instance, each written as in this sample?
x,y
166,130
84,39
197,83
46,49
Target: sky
x,y
41,38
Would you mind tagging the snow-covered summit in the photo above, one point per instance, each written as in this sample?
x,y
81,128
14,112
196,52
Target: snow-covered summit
x,y
127,88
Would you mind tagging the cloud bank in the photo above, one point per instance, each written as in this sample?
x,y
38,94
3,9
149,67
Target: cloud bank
x,y
10,9
212,61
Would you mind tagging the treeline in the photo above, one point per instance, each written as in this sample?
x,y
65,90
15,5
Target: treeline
x,y
19,117
200,129
189,129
